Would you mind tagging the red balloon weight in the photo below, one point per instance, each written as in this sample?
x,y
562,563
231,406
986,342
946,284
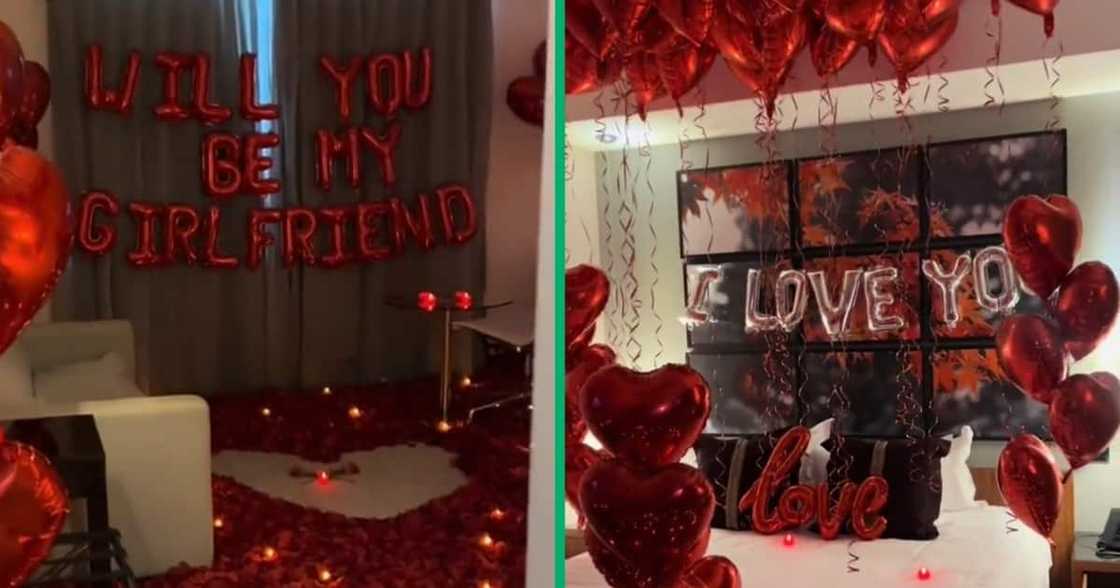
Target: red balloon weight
x,y
682,65
1045,8
830,51
714,571
909,44
1086,306
1084,416
586,289
860,20
692,19
11,79
645,527
577,459
649,419
1042,237
760,50
33,508
36,98
525,97
589,27
35,236
579,369
1031,353
1030,483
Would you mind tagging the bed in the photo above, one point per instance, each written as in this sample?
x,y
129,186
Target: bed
x,y
975,550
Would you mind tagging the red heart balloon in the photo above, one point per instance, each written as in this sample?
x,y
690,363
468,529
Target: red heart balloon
x,y
645,527
714,571
830,51
909,44
1032,355
589,28
525,97
692,19
11,79
761,49
35,236
586,289
577,459
682,65
1045,8
1042,237
623,16
1084,416
649,419
1086,306
36,94
935,10
32,511
645,80
583,72
860,20
1030,483
579,369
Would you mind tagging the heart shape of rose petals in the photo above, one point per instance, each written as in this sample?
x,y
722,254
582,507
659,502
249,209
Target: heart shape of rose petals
x,y
714,571
32,510
645,527
35,236
1042,237
650,419
1086,306
586,289
1032,355
1085,415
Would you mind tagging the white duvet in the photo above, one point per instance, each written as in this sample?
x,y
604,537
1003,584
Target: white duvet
x,y
974,550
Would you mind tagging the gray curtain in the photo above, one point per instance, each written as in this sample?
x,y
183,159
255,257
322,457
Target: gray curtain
x,y
207,331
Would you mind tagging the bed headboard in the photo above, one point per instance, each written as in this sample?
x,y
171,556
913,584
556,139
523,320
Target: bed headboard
x,y
987,489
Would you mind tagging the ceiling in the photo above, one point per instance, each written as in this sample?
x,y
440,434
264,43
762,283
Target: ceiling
x,y
1084,38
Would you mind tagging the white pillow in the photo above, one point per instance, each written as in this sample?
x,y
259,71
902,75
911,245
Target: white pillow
x,y
15,377
958,490
100,379
814,464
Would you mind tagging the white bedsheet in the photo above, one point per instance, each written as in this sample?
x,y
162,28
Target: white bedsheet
x,y
974,550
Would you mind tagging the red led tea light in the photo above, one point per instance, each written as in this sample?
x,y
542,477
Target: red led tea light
x,y
924,573
788,540
463,300
426,301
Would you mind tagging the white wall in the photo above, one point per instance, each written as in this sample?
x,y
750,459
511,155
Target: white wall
x,y
515,157
1093,125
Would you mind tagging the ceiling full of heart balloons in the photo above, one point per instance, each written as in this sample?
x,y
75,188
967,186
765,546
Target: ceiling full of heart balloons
x,y
666,47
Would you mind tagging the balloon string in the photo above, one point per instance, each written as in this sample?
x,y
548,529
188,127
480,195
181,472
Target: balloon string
x,y
1053,76
993,28
613,329
1009,526
942,96
852,558
631,319
646,151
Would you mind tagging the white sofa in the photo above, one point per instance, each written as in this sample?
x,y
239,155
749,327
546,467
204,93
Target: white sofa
x,y
157,448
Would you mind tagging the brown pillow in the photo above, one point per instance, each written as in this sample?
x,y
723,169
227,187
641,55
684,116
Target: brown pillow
x,y
912,468
732,464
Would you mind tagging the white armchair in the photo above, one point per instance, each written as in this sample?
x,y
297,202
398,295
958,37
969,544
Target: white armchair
x,y
157,449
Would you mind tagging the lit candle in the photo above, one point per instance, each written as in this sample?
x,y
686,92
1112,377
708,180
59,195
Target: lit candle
x,y
269,553
323,477
326,390
465,382
486,540
924,573
354,412
219,523
266,411
788,540
443,426
497,514
324,575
